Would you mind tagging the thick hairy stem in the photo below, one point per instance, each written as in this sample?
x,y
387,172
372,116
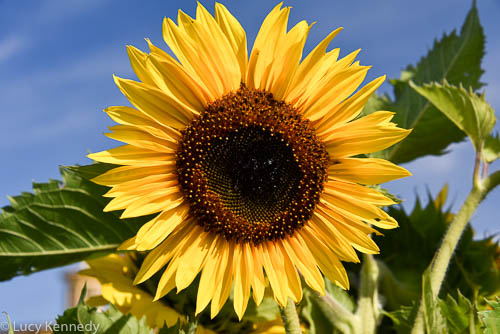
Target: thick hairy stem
x,y
451,238
343,319
369,310
290,318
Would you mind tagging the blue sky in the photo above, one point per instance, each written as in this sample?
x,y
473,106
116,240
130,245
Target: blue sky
x,y
57,58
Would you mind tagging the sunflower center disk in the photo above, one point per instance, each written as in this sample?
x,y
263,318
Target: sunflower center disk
x,y
251,167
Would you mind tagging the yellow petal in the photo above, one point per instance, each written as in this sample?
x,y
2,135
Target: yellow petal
x,y
309,67
129,244
334,91
142,184
191,58
209,278
272,30
286,60
163,199
179,72
356,192
369,134
330,235
191,261
242,264
164,109
224,279
155,231
162,254
167,280
328,262
366,171
441,197
320,82
202,47
221,48
275,271
131,155
348,109
133,117
137,137
301,256
258,282
294,286
235,34
130,173
344,229
359,210
167,75
138,62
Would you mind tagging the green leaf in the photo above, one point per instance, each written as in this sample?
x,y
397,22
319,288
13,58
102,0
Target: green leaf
x,y
187,328
491,149
375,102
434,321
84,319
468,111
473,269
403,318
88,172
331,313
312,312
491,318
340,295
267,310
456,58
458,314
60,223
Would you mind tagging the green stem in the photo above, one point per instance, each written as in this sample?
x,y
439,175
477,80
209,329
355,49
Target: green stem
x,y
369,310
343,319
290,318
442,258
476,181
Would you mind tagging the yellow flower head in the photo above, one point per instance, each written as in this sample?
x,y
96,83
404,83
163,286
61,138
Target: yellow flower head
x,y
248,161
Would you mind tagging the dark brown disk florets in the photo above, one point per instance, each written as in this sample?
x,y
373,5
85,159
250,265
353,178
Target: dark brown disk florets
x,y
251,167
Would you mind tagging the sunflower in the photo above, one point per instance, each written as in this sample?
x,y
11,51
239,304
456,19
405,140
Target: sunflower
x,y
249,162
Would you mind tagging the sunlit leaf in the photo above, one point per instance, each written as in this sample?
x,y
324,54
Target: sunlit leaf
x,y
186,328
83,319
59,223
473,268
435,323
318,313
456,58
491,318
458,314
467,110
491,149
